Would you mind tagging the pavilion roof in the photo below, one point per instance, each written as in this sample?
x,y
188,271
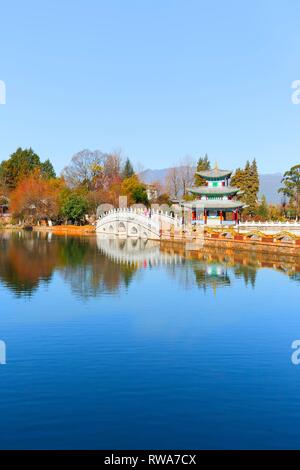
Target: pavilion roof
x,y
215,173
217,204
209,190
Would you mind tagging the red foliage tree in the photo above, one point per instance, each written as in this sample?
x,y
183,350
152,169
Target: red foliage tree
x,y
35,198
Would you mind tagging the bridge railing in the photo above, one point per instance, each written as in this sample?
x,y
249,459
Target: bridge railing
x,y
270,226
154,215
271,223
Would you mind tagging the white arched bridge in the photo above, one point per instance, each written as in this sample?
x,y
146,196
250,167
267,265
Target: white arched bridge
x,y
137,223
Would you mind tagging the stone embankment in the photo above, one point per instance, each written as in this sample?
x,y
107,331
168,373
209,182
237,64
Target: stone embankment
x,y
194,238
254,240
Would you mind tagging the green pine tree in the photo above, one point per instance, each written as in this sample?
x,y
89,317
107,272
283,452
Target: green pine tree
x,y
238,179
128,170
255,176
202,165
247,180
263,209
252,187
47,170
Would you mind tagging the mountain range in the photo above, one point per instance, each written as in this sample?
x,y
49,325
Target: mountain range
x,y
269,183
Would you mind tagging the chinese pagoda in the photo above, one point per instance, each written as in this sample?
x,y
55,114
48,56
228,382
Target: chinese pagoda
x,y
215,203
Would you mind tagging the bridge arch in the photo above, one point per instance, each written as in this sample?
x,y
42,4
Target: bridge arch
x,y
136,223
121,227
134,230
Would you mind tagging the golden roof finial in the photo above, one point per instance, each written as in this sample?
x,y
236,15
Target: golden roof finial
x,y
216,165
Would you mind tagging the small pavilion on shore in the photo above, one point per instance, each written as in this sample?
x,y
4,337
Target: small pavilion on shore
x,y
4,206
216,201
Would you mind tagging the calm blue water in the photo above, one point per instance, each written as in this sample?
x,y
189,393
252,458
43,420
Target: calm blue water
x,y
118,345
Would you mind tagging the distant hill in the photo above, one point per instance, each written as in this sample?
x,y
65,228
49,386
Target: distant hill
x,y
269,183
149,176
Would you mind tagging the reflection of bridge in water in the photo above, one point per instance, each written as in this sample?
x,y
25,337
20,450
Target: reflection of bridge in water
x,y
136,251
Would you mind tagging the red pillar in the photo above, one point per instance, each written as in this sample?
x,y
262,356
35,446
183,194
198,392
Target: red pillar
x,y
236,216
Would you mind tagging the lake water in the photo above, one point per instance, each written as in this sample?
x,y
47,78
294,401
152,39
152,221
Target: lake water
x,y
115,344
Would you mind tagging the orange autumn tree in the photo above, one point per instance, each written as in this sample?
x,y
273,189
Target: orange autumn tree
x,y
36,198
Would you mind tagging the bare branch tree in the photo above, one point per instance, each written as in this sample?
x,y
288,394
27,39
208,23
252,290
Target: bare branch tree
x,y
112,165
186,172
173,182
84,168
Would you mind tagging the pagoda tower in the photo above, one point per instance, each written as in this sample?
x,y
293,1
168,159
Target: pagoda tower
x,y
215,203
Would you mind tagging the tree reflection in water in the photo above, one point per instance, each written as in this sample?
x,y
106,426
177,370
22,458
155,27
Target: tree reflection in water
x,y
25,261
30,259
94,266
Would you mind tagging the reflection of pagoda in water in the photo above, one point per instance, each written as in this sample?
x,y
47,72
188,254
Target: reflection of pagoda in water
x,y
136,251
212,275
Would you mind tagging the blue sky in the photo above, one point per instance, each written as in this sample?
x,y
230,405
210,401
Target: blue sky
x,y
159,79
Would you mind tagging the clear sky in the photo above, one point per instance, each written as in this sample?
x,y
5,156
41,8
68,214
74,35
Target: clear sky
x,y
159,79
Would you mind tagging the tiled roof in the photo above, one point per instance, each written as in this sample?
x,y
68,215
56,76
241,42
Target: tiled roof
x,y
217,204
215,173
210,190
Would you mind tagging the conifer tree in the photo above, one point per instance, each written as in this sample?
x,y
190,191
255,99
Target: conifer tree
x,y
202,165
128,170
255,176
47,170
263,209
248,181
237,179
